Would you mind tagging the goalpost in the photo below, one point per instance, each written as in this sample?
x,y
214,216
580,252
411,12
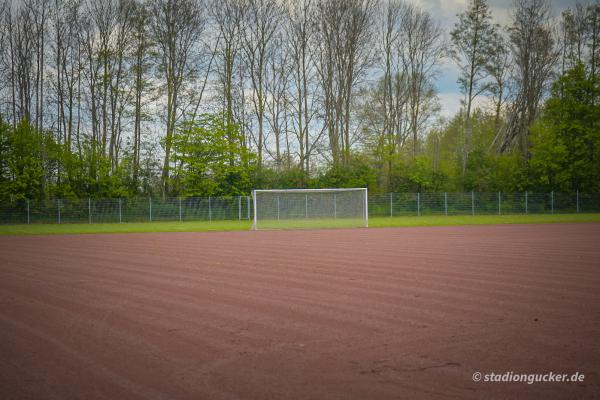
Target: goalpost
x,y
310,208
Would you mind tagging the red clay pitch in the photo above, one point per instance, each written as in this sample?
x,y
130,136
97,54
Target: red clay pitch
x,y
331,314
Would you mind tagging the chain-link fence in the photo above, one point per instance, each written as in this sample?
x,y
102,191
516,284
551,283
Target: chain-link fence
x,y
477,203
61,211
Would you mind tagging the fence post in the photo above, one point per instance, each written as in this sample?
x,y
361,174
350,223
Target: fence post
x,y
499,204
277,208
446,203
472,202
391,204
255,215
248,207
306,206
552,201
577,201
58,201
150,207
180,216
366,208
239,208
418,204
28,218
526,210
120,212
209,210
334,206
89,210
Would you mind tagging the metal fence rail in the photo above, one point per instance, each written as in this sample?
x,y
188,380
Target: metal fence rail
x,y
62,211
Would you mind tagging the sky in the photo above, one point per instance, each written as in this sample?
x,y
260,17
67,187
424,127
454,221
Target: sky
x,y
445,12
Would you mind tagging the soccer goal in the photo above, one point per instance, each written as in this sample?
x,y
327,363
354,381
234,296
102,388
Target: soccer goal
x,y
310,208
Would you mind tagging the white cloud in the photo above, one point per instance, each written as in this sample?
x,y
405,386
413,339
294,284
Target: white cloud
x,y
450,103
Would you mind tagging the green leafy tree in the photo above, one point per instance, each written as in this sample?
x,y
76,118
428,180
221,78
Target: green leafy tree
x,y
210,158
424,178
489,172
25,163
565,151
276,178
5,149
549,155
358,173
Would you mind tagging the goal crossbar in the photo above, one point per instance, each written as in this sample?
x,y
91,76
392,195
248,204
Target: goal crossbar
x,y
307,190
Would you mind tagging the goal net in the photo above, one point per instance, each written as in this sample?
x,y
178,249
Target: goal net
x,y
310,208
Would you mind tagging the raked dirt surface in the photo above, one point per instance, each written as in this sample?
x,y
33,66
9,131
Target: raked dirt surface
x,y
391,313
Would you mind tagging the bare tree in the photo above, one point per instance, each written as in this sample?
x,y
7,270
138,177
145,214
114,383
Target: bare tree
x,y
120,88
396,110
423,51
7,61
105,30
261,20
344,34
385,108
580,33
303,104
594,38
227,16
276,93
534,55
574,35
91,78
19,34
176,28
24,28
498,68
140,67
103,16
472,47
63,77
4,55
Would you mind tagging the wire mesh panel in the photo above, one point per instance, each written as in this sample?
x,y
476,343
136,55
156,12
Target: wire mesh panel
x,y
310,208
44,212
165,209
432,204
15,212
380,205
539,203
589,202
196,209
565,202
135,210
404,204
460,203
105,211
73,211
513,203
244,207
224,208
485,203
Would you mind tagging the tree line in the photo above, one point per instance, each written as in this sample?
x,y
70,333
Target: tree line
x,y
207,97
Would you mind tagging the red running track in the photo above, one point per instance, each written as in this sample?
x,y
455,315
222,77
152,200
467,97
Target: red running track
x,y
401,313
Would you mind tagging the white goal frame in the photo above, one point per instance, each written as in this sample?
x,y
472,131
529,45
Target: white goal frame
x,y
309,191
